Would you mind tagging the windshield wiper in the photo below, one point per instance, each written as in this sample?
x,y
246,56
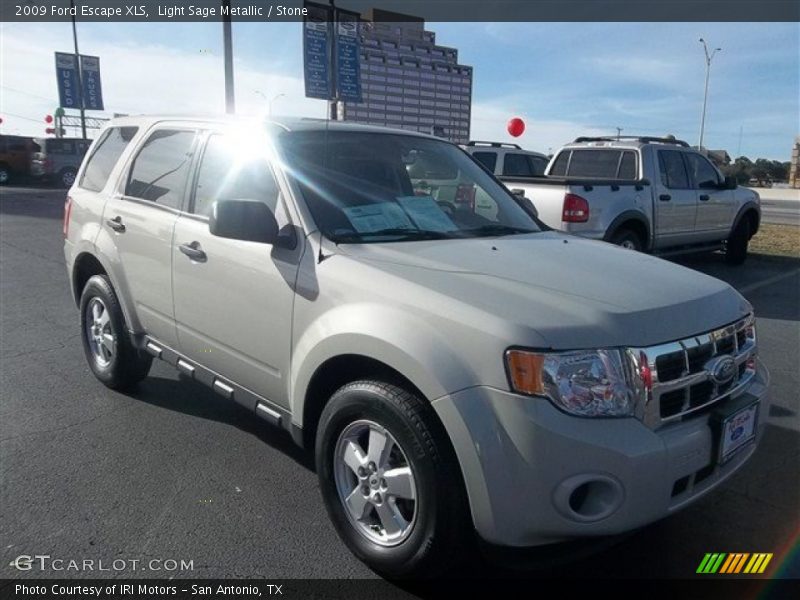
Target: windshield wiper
x,y
496,229
413,234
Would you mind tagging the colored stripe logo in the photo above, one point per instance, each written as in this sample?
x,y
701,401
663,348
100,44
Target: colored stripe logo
x,y
734,563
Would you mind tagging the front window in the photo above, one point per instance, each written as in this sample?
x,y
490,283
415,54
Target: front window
x,y
369,187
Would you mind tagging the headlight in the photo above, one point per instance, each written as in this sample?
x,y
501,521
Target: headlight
x,y
592,383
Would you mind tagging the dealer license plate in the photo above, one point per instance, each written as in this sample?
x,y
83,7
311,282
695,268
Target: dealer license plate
x,y
738,430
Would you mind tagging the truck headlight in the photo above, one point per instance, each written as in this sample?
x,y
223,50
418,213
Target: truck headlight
x,y
587,383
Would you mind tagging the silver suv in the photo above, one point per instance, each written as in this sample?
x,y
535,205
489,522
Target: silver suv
x,y
454,365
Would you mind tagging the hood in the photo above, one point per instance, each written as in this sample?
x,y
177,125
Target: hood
x,y
573,292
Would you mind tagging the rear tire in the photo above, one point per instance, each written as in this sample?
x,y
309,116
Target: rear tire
x,y
736,246
410,527
629,239
67,177
111,355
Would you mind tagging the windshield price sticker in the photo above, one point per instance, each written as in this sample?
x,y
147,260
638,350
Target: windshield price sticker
x,y
426,213
375,217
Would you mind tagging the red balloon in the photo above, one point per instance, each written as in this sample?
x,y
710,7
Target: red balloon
x,y
48,119
516,127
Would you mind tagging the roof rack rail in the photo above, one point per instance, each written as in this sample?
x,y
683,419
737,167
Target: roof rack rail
x,y
636,138
493,144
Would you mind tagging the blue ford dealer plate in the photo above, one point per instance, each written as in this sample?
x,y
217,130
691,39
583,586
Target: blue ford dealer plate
x,y
738,430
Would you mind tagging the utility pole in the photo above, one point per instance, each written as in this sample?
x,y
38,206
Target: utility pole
x,y
333,104
709,58
80,70
227,43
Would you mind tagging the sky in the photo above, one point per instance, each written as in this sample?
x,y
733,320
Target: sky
x,y
562,79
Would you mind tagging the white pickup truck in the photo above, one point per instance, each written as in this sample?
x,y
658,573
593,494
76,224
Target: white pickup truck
x,y
651,194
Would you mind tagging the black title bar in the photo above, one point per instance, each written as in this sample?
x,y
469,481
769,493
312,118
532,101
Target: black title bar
x,y
429,10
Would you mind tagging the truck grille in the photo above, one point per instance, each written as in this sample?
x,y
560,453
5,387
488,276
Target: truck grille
x,y
682,382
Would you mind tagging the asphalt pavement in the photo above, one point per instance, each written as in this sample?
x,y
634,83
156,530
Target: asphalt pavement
x,y
175,472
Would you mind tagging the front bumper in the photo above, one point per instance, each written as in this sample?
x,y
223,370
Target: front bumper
x,y
535,475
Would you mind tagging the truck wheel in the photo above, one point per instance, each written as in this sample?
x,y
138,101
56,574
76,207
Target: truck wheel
x,y
736,246
5,175
112,357
628,239
390,480
67,177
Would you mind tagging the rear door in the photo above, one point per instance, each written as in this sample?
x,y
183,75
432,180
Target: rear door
x,y
675,200
141,218
233,304
715,208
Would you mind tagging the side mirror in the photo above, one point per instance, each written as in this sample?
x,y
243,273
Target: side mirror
x,y
730,183
247,220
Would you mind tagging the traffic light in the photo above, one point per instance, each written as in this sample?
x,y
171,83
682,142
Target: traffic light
x,y
50,130
48,119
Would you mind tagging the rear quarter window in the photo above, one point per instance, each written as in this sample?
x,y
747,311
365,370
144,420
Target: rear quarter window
x,y
488,159
105,155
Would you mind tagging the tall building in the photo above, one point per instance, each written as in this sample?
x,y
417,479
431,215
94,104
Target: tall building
x,y
794,166
410,82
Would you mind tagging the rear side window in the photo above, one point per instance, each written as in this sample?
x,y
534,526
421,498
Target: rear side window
x,y
560,165
489,159
539,165
672,170
104,156
627,166
517,165
159,171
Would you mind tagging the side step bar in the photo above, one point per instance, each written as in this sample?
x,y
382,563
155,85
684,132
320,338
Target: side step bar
x,y
263,408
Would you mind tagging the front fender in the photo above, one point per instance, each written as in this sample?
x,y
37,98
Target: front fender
x,y
390,335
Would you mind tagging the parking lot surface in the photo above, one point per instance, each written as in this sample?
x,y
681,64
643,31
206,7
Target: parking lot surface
x,y
174,471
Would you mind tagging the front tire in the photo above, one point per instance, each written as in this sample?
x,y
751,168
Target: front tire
x,y
111,355
390,480
736,246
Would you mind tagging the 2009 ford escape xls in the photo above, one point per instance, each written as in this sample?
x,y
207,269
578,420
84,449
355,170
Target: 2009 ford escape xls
x,y
454,364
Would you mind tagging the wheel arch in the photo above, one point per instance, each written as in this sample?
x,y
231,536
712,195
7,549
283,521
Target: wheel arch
x,y
634,220
750,211
86,265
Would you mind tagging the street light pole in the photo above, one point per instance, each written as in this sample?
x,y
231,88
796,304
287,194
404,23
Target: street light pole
x,y
709,58
275,97
80,70
227,43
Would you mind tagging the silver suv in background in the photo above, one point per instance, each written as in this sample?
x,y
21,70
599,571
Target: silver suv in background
x,y
454,365
58,159
644,193
504,159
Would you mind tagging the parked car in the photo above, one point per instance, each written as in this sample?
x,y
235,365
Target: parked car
x,y
508,160
643,193
453,368
58,159
15,157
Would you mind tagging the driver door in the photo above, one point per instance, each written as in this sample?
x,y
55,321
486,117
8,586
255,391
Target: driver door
x,y
233,298
714,203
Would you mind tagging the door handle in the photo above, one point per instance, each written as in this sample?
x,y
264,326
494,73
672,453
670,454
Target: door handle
x,y
116,224
193,251
704,197
665,197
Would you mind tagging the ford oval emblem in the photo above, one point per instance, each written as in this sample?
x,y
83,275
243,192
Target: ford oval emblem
x,y
721,369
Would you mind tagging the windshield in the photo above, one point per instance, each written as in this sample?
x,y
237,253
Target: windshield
x,y
370,187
